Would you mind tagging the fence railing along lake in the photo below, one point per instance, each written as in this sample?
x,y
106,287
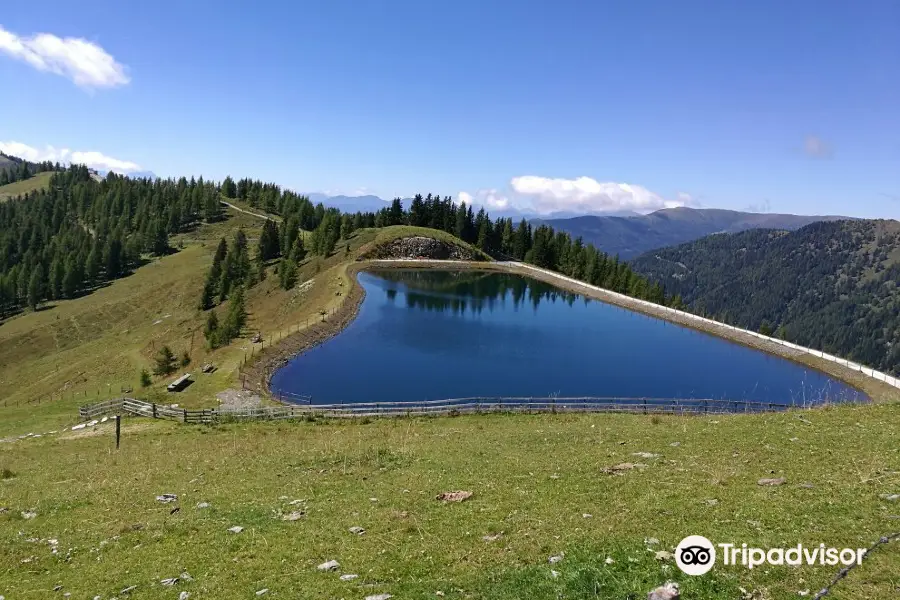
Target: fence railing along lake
x,y
454,406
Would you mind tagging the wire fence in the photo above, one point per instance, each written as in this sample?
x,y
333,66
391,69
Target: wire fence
x,y
452,406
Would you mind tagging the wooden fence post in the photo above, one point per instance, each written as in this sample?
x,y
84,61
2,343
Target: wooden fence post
x,y
118,430
154,410
185,416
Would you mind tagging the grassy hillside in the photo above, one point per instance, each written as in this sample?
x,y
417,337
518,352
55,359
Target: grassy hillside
x,y
36,182
534,479
630,236
89,348
832,286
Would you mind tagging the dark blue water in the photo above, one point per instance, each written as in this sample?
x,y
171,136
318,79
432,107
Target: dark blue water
x,y
426,335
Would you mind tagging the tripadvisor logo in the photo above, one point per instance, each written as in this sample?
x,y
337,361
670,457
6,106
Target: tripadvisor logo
x,y
696,555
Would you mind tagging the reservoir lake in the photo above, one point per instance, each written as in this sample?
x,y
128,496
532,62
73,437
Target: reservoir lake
x,y
439,334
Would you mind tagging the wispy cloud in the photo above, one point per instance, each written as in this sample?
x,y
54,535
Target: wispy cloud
x,y
91,158
816,147
83,62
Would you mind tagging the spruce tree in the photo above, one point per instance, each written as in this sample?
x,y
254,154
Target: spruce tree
x,y
229,190
236,317
288,273
93,262
164,362
211,330
298,251
269,246
36,286
57,273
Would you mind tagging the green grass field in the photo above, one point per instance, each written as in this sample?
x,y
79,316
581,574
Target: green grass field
x,y
534,477
39,181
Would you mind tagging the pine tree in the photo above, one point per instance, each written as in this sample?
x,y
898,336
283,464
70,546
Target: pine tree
x,y
288,273
212,209
395,213
57,273
229,190
460,228
160,239
269,246
72,277
164,362
145,378
36,287
236,317
114,259
93,262
208,294
211,330
298,252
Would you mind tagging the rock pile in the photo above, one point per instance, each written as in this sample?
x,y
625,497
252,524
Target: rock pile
x,y
422,247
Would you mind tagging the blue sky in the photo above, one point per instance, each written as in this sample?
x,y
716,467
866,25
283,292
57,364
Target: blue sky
x,y
779,106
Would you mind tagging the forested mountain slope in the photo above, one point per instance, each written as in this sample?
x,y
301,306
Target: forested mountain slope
x,y
631,236
830,285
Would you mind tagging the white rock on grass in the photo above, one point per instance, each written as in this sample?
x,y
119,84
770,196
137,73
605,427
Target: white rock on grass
x,y
236,529
184,596
331,565
166,498
28,514
379,597
555,559
669,591
890,497
203,505
349,577
262,592
357,530
645,455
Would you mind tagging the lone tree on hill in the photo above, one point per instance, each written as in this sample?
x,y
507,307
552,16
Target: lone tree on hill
x,y
165,362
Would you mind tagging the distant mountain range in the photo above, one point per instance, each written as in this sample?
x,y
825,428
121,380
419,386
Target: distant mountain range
x,y
372,203
350,204
832,286
631,236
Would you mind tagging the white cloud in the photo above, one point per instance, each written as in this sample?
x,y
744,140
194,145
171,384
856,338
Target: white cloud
x,y
585,194
488,198
816,147
92,159
84,62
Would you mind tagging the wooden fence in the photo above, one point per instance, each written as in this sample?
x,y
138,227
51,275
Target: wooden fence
x,y
455,406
